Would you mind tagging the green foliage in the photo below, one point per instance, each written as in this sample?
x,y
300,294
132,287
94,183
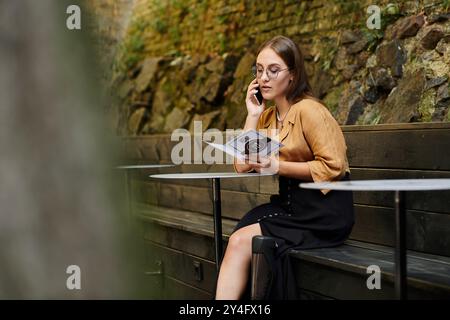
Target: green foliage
x,y
327,54
348,6
446,4
160,21
221,39
175,53
183,8
203,6
175,35
389,14
136,43
222,19
373,37
179,4
132,51
375,120
132,48
160,26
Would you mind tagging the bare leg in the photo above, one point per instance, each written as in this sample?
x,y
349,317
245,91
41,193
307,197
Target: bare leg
x,y
233,275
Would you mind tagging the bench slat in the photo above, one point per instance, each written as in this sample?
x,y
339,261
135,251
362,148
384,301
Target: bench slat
x,y
413,149
430,276
180,266
426,232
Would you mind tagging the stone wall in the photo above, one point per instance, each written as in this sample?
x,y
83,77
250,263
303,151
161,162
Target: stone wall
x,y
182,61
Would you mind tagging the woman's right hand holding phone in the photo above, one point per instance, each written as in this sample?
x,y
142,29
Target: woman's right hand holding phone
x,y
254,109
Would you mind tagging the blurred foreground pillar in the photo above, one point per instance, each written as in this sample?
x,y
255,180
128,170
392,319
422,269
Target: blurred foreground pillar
x,y
58,202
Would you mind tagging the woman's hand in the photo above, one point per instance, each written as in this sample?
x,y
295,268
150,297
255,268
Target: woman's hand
x,y
264,164
253,108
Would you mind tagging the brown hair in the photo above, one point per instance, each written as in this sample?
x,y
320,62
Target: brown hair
x,y
291,54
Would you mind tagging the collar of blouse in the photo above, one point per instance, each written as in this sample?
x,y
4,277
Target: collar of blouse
x,y
271,121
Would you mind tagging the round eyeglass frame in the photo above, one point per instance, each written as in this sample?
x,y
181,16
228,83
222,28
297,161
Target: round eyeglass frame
x,y
255,73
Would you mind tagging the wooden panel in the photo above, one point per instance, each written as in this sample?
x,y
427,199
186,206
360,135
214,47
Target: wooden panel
x,y
234,204
238,184
180,266
342,284
429,276
268,185
177,290
159,147
186,198
424,141
426,149
151,287
195,244
396,126
152,148
184,220
426,232
147,192
434,201
311,295
337,283
422,271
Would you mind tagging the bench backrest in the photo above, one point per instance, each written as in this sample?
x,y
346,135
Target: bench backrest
x,y
398,152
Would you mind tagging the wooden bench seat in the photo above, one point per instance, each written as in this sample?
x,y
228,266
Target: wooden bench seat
x,y
339,272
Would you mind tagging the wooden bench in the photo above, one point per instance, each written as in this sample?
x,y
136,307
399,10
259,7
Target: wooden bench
x,y
177,228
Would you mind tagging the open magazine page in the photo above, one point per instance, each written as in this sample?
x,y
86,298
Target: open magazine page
x,y
247,143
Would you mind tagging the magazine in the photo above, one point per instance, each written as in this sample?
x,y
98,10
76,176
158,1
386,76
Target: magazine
x,y
249,143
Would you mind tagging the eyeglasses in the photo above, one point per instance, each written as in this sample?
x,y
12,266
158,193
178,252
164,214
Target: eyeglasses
x,y
271,74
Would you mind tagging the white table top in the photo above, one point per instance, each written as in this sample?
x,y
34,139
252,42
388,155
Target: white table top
x,y
382,185
208,175
146,166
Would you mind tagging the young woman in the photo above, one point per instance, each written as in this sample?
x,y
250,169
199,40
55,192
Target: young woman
x,y
314,150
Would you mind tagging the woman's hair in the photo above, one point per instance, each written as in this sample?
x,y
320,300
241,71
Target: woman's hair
x,y
291,54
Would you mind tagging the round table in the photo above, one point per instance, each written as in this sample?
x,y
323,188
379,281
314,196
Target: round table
x,y
127,169
217,206
400,187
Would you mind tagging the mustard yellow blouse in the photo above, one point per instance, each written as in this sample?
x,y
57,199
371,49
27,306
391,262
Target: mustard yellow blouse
x,y
310,134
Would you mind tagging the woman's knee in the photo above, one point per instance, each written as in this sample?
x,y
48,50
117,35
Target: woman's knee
x,y
241,240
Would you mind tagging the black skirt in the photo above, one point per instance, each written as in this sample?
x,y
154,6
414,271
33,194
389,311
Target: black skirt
x,y
304,219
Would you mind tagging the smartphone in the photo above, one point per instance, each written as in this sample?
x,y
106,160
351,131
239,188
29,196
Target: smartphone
x,y
258,96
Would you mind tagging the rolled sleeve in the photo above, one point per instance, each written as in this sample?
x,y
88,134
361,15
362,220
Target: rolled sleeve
x,y
327,144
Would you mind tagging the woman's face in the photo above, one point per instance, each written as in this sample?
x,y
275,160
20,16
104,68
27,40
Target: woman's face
x,y
272,86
